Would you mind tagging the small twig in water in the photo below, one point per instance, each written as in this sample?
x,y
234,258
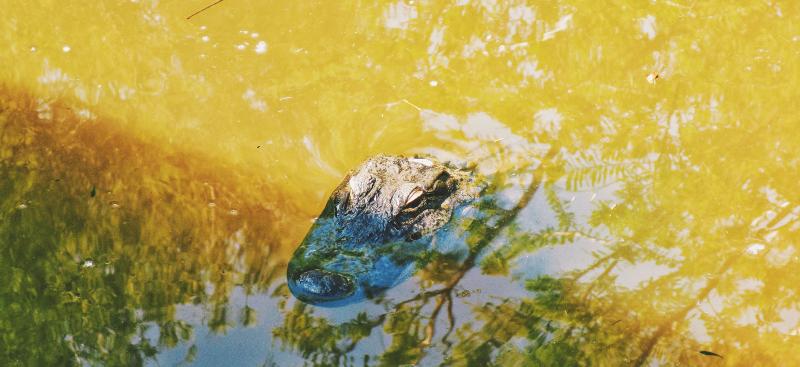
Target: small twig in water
x,y
411,104
203,9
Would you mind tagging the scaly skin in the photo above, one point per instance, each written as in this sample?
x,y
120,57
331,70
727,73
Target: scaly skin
x,y
375,225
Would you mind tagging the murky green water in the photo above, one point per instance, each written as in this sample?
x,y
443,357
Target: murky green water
x,y
156,174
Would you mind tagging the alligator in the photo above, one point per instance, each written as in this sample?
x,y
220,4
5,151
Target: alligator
x,y
376,226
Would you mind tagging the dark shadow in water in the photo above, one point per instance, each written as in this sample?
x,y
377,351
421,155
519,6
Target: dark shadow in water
x,y
102,234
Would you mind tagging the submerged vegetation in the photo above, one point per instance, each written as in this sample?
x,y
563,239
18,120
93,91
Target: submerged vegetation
x,y
103,235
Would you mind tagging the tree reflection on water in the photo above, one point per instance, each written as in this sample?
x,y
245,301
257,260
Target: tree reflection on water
x,y
102,236
677,273
101,244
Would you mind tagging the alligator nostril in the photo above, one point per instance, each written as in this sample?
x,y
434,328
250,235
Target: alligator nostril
x,y
322,285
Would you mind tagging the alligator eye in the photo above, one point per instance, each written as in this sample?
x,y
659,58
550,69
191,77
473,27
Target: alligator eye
x,y
440,187
440,184
414,198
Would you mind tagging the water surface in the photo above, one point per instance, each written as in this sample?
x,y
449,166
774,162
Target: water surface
x,y
156,173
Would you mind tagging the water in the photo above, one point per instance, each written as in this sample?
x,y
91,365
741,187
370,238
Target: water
x,y
156,173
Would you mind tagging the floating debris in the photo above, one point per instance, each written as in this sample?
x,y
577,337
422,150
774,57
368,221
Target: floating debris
x,y
203,9
653,77
22,206
88,264
93,192
710,354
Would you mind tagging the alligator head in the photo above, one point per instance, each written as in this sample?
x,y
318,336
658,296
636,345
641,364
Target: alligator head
x,y
374,226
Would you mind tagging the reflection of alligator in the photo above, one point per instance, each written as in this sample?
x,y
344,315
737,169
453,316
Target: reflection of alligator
x,y
376,223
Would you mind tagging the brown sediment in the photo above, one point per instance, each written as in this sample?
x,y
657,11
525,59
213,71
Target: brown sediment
x,y
51,142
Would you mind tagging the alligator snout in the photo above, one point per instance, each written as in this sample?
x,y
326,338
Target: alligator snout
x,y
321,285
